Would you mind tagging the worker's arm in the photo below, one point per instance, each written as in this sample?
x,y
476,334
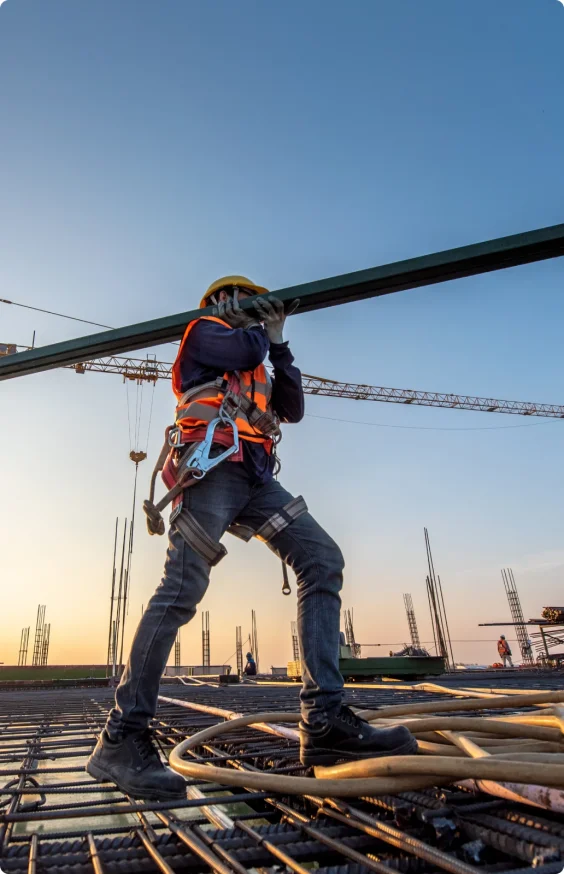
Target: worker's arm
x,y
287,391
216,346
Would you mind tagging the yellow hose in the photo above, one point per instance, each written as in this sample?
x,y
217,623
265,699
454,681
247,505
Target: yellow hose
x,y
513,762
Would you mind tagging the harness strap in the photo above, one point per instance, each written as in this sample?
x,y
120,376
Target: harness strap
x,y
261,421
281,519
243,532
155,522
197,537
273,525
159,464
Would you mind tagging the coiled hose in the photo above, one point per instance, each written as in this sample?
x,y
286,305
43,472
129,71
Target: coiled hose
x,y
530,753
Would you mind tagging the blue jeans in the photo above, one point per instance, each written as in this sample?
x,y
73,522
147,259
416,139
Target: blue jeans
x,y
225,495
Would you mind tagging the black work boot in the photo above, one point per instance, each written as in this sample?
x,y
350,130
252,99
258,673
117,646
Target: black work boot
x,y
135,766
345,736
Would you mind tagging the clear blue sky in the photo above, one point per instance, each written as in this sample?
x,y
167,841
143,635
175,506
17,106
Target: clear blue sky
x,y
149,147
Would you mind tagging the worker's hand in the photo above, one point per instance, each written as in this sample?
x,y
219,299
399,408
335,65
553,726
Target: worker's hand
x,y
272,315
230,311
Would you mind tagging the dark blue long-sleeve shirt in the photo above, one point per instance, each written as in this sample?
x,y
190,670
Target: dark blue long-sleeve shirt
x,y
213,349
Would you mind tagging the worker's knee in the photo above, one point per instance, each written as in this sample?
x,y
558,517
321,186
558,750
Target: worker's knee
x,y
319,563
332,557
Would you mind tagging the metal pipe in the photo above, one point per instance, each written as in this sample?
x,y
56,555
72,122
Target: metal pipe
x,y
280,730
443,266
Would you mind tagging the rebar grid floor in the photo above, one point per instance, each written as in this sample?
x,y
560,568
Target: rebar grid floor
x,y
55,819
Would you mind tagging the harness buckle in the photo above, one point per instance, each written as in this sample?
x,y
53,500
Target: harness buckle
x,y
174,437
229,407
175,512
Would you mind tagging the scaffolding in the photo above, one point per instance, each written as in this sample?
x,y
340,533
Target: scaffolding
x,y
24,640
206,638
517,615
411,620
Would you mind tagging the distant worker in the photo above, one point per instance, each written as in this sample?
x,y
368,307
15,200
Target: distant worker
x,y
228,405
504,651
250,668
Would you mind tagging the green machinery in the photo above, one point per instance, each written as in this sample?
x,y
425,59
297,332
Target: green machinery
x,y
394,667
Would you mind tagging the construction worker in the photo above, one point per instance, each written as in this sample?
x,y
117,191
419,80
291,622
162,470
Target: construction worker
x,y
504,651
219,378
250,668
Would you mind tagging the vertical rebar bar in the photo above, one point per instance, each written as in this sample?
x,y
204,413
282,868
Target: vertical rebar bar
x,y
45,644
119,602
438,610
22,654
109,659
239,649
411,620
127,576
177,650
442,600
295,641
254,639
40,621
206,654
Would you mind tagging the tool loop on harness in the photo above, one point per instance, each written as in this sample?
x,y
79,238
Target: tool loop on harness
x,y
155,522
286,590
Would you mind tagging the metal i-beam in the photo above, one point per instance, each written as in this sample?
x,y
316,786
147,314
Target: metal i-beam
x,y
478,258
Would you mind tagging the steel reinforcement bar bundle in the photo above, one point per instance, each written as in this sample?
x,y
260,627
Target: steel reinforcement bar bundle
x,y
56,820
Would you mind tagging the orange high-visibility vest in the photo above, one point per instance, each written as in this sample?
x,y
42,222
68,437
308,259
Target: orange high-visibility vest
x,y
200,405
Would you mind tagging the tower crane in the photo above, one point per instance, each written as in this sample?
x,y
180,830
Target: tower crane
x,y
148,369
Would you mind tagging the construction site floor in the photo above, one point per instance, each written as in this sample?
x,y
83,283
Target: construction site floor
x,y
55,819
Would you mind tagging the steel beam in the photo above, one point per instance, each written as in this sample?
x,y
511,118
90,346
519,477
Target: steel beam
x,y
415,272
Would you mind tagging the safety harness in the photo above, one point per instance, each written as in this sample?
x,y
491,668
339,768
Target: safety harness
x,y
210,420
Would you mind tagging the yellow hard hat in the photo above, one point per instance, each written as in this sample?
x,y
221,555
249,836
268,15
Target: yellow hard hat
x,y
224,281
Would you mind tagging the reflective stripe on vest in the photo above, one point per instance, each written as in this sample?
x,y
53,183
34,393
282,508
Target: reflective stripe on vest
x,y
200,405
